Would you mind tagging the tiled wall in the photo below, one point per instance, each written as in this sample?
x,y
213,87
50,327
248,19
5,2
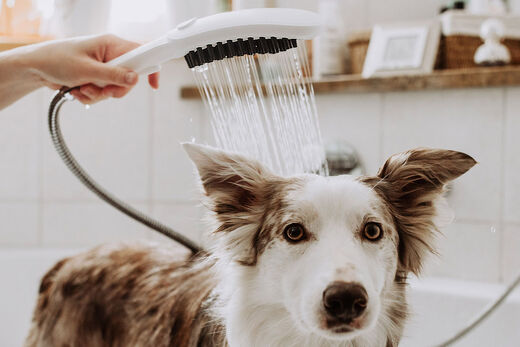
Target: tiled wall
x,y
132,146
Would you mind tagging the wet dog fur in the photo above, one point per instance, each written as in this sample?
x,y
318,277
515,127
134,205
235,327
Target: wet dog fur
x,y
280,247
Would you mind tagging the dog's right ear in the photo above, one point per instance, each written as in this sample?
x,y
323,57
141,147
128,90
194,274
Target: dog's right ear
x,y
230,180
236,190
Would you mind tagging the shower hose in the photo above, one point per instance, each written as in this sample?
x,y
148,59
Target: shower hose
x,y
61,147
65,154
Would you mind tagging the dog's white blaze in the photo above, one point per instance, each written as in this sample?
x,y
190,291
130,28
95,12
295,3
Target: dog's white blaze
x,y
341,204
293,277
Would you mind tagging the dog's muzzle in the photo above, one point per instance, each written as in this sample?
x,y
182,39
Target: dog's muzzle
x,y
344,302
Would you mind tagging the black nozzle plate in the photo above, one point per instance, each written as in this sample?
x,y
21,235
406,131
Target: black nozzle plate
x,y
236,48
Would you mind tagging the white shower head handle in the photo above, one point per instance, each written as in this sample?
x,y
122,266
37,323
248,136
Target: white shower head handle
x,y
221,27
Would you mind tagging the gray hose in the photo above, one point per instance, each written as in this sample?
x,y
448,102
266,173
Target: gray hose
x,y
483,315
65,154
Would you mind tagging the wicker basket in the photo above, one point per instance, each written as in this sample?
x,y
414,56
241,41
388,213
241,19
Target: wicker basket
x,y
455,51
358,47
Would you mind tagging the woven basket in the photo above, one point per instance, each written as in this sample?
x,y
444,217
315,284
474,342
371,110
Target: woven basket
x,y
358,47
455,51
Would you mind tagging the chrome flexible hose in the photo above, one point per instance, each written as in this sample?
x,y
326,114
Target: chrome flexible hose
x,y
65,154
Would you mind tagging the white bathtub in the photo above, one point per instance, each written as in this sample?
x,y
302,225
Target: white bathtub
x,y
440,306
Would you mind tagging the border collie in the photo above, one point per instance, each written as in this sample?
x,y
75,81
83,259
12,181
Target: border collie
x,y
296,261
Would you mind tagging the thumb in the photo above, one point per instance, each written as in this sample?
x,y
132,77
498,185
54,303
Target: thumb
x,y
113,75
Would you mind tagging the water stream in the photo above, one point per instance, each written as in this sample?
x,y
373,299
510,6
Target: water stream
x,y
263,106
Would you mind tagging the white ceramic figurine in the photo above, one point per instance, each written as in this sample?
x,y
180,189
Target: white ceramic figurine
x,y
492,52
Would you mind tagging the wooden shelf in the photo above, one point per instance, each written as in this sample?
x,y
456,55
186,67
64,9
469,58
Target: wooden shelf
x,y
442,79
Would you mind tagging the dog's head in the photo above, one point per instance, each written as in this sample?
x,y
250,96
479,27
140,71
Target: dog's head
x,y
329,250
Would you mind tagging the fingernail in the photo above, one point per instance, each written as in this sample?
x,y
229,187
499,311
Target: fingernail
x,y
130,77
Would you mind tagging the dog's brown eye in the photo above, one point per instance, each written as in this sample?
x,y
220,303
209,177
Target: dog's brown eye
x,y
294,232
372,231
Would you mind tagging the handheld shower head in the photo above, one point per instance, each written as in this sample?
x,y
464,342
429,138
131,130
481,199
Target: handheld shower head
x,y
224,35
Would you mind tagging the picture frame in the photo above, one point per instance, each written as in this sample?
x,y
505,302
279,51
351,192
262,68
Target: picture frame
x,y
402,49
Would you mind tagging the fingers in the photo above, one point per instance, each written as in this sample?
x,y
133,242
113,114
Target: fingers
x,y
105,74
90,94
115,91
93,71
93,92
81,97
153,80
116,46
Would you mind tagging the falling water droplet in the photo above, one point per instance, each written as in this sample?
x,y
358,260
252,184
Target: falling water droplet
x,y
193,139
493,229
87,107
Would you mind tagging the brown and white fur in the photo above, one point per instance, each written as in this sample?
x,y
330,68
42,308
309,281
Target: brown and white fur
x,y
257,286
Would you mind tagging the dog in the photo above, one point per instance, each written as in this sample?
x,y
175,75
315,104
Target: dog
x,y
295,261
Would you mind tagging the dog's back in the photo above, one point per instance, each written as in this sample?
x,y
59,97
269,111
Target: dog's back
x,y
125,295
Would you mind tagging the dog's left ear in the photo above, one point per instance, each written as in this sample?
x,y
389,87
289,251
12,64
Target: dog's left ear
x,y
412,182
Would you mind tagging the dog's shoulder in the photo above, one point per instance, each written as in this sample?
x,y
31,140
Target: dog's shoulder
x,y
118,266
123,294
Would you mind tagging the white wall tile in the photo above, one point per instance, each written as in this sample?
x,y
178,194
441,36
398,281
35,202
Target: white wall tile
x,y
466,120
20,146
511,252
111,140
512,157
468,251
354,119
19,224
86,224
184,218
175,121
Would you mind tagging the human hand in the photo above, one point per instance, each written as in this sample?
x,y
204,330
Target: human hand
x,y
81,62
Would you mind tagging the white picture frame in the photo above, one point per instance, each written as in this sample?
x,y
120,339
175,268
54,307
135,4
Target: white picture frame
x,y
402,49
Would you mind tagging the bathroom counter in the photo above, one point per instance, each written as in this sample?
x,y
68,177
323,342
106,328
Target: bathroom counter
x,y
441,79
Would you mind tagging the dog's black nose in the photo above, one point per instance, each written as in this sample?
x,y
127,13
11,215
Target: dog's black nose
x,y
345,301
